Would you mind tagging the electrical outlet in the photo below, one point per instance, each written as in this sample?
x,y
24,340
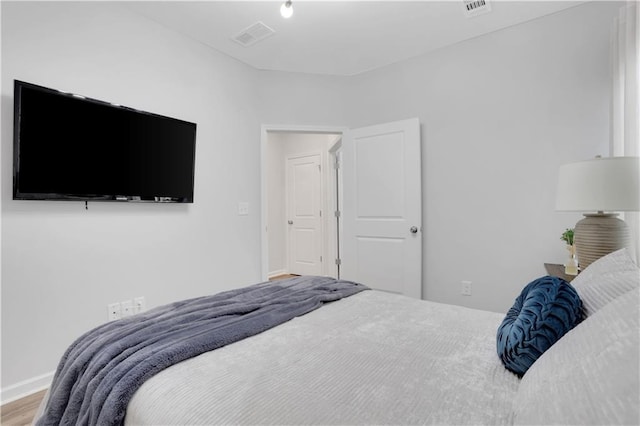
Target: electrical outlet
x,y
466,288
139,305
127,308
114,311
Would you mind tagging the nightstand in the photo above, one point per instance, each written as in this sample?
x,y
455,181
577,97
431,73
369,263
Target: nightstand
x,y
557,270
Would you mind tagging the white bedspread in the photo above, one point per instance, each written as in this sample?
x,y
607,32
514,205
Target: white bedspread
x,y
372,358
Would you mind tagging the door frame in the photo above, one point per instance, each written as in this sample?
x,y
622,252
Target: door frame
x,y
264,138
336,226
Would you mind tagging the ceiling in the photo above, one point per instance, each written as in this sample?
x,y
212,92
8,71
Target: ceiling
x,y
337,37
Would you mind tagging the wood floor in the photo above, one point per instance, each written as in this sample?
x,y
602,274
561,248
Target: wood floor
x,y
283,277
22,411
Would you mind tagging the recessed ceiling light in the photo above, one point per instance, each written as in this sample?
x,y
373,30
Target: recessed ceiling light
x,y
286,10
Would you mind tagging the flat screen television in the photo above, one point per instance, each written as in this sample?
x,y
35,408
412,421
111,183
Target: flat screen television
x,y
69,147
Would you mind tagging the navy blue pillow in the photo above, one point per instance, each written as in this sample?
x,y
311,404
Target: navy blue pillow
x,y
545,311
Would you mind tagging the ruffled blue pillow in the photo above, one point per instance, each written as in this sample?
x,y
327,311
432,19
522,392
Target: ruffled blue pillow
x,y
545,311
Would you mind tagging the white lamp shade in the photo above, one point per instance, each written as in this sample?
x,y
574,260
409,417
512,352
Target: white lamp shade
x,y
602,184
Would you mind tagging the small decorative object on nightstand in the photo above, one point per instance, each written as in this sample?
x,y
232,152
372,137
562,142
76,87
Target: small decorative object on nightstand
x,y
571,264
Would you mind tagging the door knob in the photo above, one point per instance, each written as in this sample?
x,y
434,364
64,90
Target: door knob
x,y
413,230
290,222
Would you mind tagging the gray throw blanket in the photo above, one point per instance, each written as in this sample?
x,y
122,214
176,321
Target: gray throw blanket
x,y
100,371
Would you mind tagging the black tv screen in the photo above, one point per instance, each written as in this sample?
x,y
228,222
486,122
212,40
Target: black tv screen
x,y
69,147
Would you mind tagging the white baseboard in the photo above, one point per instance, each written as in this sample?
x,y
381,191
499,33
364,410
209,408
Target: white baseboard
x,y
276,273
25,388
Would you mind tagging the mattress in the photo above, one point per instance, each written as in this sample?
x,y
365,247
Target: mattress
x,y
371,358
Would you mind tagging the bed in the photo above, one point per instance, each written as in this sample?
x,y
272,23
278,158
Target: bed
x,y
377,358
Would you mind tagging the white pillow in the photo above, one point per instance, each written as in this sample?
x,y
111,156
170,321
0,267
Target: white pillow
x,y
591,375
605,279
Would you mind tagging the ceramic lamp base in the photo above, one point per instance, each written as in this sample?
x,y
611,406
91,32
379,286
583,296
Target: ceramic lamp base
x,y
599,234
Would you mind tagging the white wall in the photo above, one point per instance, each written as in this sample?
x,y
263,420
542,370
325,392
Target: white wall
x,y
61,265
303,99
499,115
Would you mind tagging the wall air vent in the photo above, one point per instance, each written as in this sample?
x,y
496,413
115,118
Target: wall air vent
x,y
476,7
253,34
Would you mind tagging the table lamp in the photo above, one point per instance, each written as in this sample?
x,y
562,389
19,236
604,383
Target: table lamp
x,y
599,187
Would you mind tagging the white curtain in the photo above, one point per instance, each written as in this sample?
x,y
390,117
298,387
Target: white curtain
x,y
625,105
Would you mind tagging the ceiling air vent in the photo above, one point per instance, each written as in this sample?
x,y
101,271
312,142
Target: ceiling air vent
x,y
476,7
253,34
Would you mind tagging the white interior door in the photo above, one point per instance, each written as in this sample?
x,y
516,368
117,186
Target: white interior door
x,y
304,208
382,210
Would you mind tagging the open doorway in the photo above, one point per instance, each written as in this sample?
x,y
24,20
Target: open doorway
x,y
299,203
382,210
